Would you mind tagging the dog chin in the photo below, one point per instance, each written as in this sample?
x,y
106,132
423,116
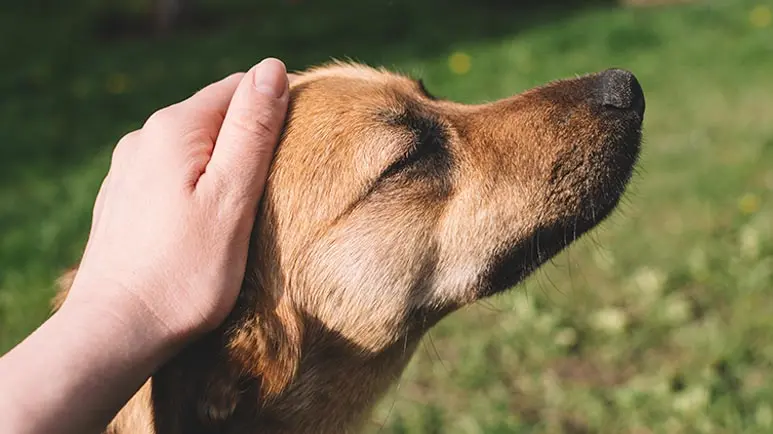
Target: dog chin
x,y
511,267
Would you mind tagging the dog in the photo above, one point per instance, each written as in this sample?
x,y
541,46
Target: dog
x,y
386,209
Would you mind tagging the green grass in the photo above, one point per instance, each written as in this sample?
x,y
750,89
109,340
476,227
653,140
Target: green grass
x,y
659,322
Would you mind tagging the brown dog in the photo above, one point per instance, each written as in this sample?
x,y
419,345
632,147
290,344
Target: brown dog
x,y
385,210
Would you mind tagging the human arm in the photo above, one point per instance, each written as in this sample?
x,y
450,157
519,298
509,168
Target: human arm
x,y
164,260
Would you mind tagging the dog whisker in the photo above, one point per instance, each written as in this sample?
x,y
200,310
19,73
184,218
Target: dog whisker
x,y
386,210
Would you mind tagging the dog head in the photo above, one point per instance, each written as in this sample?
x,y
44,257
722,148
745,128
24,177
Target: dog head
x,y
387,208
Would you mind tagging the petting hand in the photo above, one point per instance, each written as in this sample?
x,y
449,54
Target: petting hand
x,y
164,261
172,220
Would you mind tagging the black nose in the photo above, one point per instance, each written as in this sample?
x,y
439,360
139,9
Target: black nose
x,y
621,90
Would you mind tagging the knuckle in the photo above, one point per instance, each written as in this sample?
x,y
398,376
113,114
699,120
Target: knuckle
x,y
161,118
258,124
125,145
237,199
197,135
129,138
231,191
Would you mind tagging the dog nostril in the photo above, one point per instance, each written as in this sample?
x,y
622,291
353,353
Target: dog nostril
x,y
621,90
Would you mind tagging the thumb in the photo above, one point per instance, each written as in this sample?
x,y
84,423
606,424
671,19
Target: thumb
x,y
249,134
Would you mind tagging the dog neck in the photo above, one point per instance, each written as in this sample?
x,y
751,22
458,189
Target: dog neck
x,y
326,385
334,390
303,377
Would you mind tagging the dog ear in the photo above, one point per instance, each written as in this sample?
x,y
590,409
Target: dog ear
x,y
266,343
260,344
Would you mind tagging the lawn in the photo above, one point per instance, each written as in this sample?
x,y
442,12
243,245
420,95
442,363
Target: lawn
x,y
661,321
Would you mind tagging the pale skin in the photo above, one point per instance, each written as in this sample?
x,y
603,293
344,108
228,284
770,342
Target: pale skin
x,y
164,259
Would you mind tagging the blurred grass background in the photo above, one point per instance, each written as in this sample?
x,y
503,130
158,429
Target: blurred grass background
x,y
659,322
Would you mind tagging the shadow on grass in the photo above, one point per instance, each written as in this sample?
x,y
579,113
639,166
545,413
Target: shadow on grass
x,y
87,74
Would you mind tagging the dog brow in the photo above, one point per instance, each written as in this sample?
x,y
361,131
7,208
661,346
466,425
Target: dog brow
x,y
429,154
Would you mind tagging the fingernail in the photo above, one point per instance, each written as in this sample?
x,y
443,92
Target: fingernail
x,y
270,77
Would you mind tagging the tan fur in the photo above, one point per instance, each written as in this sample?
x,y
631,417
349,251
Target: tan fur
x,y
352,262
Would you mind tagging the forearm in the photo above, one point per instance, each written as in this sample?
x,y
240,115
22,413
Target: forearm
x,y
76,371
160,219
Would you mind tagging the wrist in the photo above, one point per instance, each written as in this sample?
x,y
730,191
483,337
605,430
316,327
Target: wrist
x,y
85,351
146,332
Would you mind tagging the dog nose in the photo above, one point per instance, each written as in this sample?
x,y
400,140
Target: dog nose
x,y
621,90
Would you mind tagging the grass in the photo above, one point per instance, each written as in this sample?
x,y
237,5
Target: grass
x,y
659,322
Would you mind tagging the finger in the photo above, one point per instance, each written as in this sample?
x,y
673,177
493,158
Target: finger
x,y
249,134
200,115
212,101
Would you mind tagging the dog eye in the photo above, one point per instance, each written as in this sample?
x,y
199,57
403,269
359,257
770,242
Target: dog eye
x,y
428,145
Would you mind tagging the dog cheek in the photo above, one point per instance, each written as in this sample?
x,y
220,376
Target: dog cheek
x,y
361,280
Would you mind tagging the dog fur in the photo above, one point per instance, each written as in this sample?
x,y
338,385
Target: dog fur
x,y
385,210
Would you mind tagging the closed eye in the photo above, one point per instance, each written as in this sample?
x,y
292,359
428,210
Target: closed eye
x,y
426,157
428,145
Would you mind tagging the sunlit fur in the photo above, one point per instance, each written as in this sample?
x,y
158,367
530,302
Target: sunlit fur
x,y
385,210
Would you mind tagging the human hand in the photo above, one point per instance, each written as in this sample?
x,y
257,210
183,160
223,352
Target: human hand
x,y
164,260
172,220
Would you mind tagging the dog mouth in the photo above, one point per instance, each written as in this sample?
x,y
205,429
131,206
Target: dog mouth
x,y
510,268
617,101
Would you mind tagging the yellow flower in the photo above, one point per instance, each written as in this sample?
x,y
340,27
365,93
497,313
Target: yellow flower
x,y
749,203
117,83
760,16
460,63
